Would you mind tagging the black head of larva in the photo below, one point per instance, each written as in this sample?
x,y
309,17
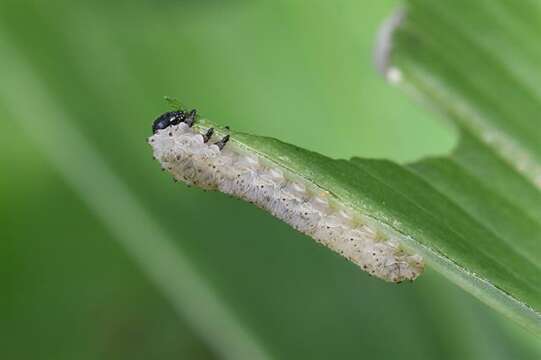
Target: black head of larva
x,y
171,118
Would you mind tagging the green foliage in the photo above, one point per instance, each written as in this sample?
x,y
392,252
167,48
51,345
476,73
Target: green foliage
x,y
473,61
474,215
74,288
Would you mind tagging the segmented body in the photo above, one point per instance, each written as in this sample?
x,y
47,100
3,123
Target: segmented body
x,y
193,158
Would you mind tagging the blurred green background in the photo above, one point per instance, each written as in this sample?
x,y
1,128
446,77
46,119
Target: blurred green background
x,y
296,70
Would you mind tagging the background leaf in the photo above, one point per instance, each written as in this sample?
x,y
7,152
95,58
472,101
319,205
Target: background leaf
x,y
473,62
69,290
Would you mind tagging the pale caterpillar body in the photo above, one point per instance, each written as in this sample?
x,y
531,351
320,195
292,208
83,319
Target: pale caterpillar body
x,y
197,159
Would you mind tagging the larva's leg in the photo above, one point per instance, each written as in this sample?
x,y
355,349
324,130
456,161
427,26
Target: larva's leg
x,y
222,142
208,135
190,118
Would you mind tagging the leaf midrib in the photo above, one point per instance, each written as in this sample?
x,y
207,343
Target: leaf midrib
x,y
516,278
524,251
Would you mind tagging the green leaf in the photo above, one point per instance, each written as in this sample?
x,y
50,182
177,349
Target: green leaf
x,y
91,276
475,216
475,63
